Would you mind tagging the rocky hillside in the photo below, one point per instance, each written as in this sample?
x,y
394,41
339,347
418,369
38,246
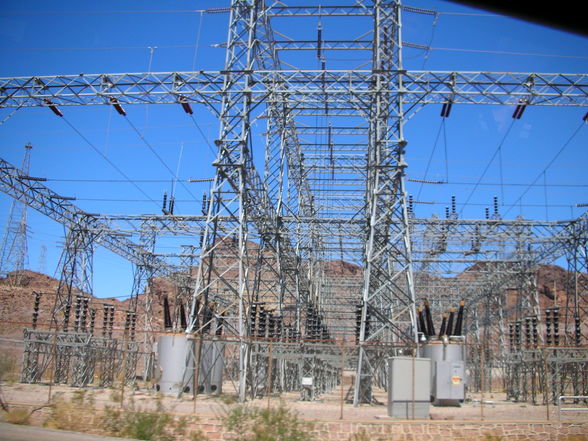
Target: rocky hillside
x,y
16,302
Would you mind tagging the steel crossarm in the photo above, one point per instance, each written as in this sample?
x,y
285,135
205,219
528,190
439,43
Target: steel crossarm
x,y
205,87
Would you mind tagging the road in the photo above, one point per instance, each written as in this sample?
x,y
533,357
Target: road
x,y
12,432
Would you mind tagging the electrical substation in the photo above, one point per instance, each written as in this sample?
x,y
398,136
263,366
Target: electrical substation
x,y
318,263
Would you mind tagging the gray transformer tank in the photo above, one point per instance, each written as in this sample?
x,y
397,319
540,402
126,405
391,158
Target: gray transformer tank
x,y
175,359
447,370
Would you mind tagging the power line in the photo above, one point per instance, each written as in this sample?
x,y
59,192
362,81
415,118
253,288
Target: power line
x,y
112,164
498,149
560,151
495,184
203,136
424,180
126,181
160,159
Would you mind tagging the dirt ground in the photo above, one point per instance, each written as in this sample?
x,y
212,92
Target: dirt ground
x,y
325,408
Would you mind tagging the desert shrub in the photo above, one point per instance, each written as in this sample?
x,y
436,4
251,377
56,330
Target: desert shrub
x,y
75,414
273,424
8,367
18,415
150,425
492,437
362,435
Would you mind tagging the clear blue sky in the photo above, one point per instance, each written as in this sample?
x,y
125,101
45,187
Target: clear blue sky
x,y
40,38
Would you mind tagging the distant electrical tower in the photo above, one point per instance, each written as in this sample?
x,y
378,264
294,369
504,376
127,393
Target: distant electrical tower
x,y
14,243
42,259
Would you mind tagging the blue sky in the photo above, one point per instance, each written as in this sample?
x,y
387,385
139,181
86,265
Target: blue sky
x,y
547,147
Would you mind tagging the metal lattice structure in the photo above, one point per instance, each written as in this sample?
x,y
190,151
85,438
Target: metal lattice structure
x,y
259,276
14,250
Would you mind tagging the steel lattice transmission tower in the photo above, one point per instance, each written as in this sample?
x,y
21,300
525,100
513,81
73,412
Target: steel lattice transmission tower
x,y
14,243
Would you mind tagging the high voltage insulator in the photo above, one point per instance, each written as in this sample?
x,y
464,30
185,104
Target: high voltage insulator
x,y
548,327
443,329
495,204
446,109
518,112
272,326
253,318
164,204
422,327
36,309
127,321
429,320
511,342
319,39
459,321
518,334
204,204
110,320
167,321
555,312
66,314
578,331
527,332
449,330
183,321
85,307
453,207
133,325
92,320
105,313
262,322
358,313
78,312
534,322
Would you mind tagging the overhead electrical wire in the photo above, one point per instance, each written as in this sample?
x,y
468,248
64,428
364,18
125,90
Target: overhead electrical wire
x,y
159,158
424,179
426,48
541,173
496,152
151,181
494,184
112,164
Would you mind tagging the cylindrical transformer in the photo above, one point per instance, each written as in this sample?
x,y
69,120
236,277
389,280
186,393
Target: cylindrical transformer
x,y
447,371
173,353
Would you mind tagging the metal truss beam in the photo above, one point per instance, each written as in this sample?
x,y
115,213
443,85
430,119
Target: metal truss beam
x,y
39,197
418,87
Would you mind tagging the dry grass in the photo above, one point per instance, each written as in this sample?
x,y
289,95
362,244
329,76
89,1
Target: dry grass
x,y
18,415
